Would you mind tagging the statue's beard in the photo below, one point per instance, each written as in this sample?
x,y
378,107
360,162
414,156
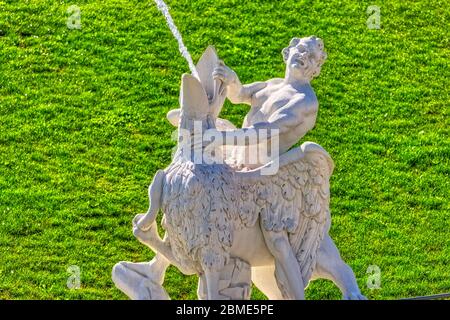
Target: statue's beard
x,y
300,67
300,62
304,71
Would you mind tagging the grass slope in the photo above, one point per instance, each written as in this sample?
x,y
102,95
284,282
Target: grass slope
x,y
83,130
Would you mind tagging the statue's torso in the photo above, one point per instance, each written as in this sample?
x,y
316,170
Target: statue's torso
x,y
272,99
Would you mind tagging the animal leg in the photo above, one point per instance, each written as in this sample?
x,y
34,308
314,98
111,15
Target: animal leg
x,y
151,239
279,246
212,284
162,247
157,268
154,194
202,293
330,266
141,281
264,279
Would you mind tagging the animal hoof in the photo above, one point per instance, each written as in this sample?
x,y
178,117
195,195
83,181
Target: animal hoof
x,y
142,222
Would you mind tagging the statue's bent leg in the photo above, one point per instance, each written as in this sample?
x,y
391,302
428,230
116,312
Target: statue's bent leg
x,y
142,281
286,262
154,195
330,266
162,247
157,268
152,239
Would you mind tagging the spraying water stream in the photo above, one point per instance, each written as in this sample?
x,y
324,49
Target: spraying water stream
x,y
162,6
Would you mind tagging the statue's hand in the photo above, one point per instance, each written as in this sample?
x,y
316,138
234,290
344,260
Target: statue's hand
x,y
217,101
224,73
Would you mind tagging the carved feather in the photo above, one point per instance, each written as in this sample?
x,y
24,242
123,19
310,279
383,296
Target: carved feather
x,y
295,200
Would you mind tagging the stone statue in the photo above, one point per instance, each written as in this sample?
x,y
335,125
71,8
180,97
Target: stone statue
x,y
229,222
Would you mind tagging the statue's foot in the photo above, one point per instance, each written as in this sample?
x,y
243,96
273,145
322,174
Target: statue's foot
x,y
148,270
354,296
139,281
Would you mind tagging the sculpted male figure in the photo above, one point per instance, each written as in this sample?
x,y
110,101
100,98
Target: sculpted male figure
x,y
290,106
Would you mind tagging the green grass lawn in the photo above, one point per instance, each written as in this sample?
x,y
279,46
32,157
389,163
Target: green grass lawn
x,y
83,130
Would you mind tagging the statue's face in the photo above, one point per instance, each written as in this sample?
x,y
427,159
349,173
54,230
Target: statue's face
x,y
298,59
304,56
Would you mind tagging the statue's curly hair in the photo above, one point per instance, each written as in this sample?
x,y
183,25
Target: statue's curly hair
x,y
313,54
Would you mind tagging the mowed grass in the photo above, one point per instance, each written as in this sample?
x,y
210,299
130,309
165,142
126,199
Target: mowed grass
x,y
83,130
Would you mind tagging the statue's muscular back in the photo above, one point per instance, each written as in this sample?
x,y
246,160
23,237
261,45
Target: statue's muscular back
x,y
277,101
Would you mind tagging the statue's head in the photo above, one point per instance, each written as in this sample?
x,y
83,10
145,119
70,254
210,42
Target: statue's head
x,y
304,57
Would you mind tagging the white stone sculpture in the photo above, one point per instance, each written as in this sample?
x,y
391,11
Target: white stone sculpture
x,y
229,222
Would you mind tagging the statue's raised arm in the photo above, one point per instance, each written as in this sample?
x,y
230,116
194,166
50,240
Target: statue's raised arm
x,y
237,92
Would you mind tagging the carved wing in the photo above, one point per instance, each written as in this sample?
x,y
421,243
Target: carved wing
x,y
295,200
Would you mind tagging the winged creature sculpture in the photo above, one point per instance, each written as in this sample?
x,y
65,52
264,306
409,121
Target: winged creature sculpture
x,y
229,222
